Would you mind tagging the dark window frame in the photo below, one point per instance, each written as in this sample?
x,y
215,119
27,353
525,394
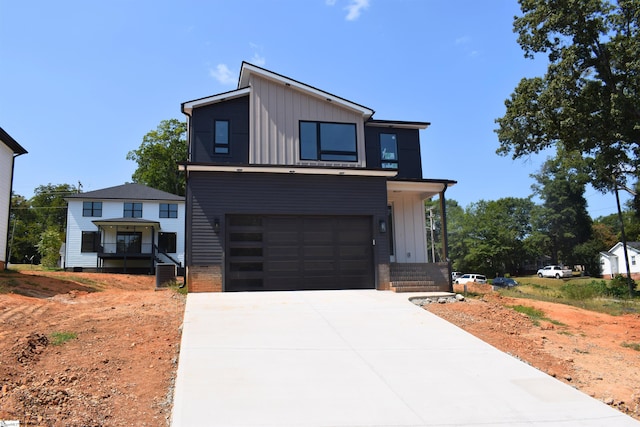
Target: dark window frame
x,y
388,163
92,209
132,210
129,242
325,154
90,242
221,147
168,242
168,210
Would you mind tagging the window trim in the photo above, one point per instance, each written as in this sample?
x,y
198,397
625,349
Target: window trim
x,y
133,210
320,152
171,210
93,210
222,145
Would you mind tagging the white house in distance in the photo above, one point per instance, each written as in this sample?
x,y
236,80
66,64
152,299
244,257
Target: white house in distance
x,y
613,261
129,228
9,150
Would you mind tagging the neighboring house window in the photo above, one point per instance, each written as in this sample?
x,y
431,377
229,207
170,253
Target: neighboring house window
x,y
90,241
328,141
167,242
221,137
132,210
168,210
91,208
633,260
389,151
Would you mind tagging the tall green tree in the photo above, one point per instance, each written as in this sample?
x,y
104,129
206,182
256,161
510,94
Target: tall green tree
x,y
562,221
455,220
49,205
589,99
494,234
159,155
24,232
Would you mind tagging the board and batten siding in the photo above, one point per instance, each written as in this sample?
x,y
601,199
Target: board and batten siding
x,y
410,242
213,195
275,113
6,167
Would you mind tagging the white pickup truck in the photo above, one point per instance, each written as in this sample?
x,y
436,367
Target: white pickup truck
x,y
555,271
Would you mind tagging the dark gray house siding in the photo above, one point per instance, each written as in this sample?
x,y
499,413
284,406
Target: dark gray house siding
x,y
236,111
212,196
409,161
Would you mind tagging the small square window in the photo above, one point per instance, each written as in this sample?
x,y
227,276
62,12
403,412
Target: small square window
x,y
132,210
90,241
168,210
167,242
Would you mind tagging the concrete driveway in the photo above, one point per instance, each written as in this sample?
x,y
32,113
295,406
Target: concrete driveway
x,y
356,358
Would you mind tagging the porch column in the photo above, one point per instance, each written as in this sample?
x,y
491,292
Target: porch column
x,y
445,241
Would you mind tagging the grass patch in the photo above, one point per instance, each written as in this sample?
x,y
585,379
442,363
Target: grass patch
x,y
178,288
535,315
633,345
59,338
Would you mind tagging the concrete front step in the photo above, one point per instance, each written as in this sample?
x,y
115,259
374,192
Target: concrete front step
x,y
417,286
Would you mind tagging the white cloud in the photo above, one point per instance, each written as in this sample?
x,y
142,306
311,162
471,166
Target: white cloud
x,y
355,8
258,60
330,2
463,40
223,74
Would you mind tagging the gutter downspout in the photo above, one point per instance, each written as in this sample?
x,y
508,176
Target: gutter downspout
x,y
7,250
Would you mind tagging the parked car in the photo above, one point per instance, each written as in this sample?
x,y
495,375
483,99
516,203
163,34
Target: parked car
x,y
455,275
470,278
555,271
504,282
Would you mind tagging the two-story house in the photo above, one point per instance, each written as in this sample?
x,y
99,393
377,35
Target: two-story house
x,y
290,187
9,150
128,228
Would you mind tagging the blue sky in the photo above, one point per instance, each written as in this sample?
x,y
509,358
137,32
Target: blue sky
x,y
83,81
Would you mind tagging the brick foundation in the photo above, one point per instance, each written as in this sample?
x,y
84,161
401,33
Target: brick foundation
x,y
420,277
204,278
384,279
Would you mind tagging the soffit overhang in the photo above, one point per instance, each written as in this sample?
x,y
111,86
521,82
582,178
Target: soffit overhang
x,y
303,170
424,188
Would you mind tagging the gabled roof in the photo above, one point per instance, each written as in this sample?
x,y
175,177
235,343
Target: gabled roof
x,y
243,89
634,246
128,192
11,143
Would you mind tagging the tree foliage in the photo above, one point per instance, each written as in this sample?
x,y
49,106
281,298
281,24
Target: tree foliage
x,y
562,221
159,155
589,99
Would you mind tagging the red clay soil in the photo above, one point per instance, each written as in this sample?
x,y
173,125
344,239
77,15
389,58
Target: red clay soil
x,y
120,368
117,369
593,352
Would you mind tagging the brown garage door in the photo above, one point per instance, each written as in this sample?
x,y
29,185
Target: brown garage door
x,y
299,252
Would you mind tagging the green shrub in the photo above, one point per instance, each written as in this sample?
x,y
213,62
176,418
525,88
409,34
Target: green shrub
x,y
59,338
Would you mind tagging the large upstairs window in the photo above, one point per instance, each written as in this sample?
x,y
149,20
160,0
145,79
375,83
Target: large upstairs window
x,y
221,137
328,141
91,208
132,210
389,150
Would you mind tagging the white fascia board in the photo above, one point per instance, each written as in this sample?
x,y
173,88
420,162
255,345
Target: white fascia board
x,y
289,170
248,69
188,106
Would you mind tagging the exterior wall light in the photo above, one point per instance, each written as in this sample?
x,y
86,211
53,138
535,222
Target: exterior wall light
x,y
216,225
382,226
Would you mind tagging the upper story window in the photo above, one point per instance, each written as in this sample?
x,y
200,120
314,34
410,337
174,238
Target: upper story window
x,y
91,208
389,151
221,137
328,141
132,210
168,210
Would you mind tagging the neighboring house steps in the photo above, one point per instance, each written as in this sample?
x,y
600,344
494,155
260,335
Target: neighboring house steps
x,y
419,277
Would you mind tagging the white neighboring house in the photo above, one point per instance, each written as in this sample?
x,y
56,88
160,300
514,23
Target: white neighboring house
x,y
9,150
613,261
129,228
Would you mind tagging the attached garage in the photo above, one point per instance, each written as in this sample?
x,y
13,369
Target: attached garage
x,y
286,252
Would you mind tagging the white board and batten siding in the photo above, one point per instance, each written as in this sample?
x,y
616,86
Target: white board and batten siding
x,y
275,113
6,167
410,241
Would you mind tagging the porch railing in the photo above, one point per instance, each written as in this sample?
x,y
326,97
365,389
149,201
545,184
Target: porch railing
x,y
123,248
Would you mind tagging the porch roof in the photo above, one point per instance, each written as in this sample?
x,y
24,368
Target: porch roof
x,y
426,188
134,222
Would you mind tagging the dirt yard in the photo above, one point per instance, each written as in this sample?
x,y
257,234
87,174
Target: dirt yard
x,y
593,352
119,365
